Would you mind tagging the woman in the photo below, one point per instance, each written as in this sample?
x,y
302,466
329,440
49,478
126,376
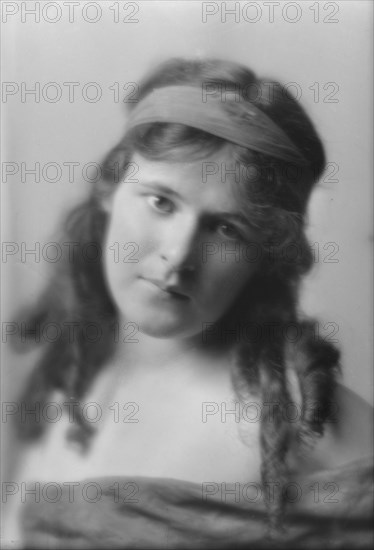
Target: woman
x,y
197,233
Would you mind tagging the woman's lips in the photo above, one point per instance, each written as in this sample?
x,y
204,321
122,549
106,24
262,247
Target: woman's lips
x,y
169,290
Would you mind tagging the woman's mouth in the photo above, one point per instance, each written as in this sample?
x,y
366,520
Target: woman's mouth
x,y
170,291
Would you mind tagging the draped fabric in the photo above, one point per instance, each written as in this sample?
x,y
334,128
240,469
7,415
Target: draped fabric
x,y
327,509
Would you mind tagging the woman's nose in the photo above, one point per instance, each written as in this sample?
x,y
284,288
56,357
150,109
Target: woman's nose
x,y
179,247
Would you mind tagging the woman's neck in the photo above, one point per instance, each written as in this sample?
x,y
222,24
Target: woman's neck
x,y
143,353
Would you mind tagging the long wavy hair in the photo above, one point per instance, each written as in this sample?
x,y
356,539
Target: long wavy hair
x,y
276,201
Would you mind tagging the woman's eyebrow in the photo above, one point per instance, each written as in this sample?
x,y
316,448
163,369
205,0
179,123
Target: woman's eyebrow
x,y
232,216
156,186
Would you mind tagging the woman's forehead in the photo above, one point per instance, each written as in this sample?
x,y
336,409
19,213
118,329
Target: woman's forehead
x,y
221,163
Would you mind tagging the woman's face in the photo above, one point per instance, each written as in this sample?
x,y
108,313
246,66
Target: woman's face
x,y
176,250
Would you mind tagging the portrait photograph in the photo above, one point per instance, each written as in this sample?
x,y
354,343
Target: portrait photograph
x,y
187,270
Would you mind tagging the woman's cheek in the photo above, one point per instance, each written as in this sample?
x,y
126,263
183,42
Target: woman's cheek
x,y
225,278
236,277
128,222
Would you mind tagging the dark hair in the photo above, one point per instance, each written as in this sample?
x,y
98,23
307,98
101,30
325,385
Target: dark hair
x,y
276,203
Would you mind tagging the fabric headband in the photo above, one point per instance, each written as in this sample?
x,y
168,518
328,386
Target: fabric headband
x,y
240,122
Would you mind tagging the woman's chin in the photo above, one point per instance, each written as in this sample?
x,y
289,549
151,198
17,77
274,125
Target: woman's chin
x,y
161,324
163,328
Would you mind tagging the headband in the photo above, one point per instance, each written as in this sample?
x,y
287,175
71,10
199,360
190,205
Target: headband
x,y
239,122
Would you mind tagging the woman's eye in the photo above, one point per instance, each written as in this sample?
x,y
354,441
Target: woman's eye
x,y
161,204
228,231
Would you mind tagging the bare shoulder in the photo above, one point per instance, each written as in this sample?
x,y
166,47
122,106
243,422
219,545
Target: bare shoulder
x,y
348,434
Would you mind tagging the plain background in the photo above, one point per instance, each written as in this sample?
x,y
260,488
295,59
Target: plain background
x,y
310,53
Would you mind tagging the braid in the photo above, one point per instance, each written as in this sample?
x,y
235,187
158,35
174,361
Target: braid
x,y
316,362
264,368
275,430
265,364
